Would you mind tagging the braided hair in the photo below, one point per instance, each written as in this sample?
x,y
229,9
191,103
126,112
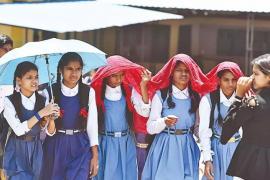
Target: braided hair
x,y
64,61
194,96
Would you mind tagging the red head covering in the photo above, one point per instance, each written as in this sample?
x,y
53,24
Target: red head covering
x,y
226,65
197,78
115,64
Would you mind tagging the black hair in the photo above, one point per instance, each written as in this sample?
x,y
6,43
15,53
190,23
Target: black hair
x,y
222,72
5,39
194,96
64,61
20,71
263,62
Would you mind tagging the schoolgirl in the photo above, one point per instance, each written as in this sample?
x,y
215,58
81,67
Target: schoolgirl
x,y
70,149
212,110
174,153
118,98
24,111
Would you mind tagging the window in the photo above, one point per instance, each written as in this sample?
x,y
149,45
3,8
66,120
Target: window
x,y
160,35
231,42
184,41
261,43
149,43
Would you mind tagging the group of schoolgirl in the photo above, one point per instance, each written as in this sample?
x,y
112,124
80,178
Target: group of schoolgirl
x,y
103,131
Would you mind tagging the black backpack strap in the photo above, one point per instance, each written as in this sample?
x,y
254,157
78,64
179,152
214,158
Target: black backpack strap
x,y
215,101
213,106
85,91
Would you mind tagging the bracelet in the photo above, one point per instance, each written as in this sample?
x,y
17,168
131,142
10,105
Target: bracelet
x,y
38,116
238,98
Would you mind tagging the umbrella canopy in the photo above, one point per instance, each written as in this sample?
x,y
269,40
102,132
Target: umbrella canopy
x,y
52,49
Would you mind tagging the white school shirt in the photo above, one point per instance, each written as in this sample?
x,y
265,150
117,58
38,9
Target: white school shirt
x,y
205,133
156,123
92,120
18,127
115,94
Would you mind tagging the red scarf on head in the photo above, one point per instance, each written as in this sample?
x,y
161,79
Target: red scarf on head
x,y
197,78
132,77
226,65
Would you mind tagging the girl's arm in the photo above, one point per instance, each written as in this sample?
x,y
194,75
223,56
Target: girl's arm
x,y
50,129
141,102
94,161
21,128
238,114
156,123
92,120
140,106
92,131
146,77
205,133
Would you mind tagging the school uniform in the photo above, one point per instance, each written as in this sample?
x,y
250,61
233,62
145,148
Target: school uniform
x,y
67,152
23,151
174,153
212,149
117,146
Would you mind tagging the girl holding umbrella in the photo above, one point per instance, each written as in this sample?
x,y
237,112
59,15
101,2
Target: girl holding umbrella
x,y
70,149
24,111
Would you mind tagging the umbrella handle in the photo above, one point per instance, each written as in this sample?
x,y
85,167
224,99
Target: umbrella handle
x,y
49,76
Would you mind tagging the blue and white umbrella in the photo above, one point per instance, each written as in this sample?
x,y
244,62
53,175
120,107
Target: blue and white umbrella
x,y
46,55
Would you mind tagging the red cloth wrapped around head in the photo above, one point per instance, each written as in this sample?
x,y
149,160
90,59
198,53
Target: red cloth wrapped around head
x,y
226,65
115,64
197,77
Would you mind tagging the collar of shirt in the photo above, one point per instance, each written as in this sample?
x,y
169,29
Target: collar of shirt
x,y
113,94
180,94
29,102
224,100
68,91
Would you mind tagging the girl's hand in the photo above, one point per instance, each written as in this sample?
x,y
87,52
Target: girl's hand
x,y
43,122
209,170
243,85
170,121
146,76
94,166
51,108
51,117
